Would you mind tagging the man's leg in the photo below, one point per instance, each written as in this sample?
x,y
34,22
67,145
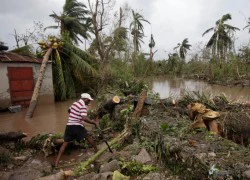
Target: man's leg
x,y
91,141
61,151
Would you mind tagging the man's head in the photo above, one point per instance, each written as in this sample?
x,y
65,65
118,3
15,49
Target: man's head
x,y
86,98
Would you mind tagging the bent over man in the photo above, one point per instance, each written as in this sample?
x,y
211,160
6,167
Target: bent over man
x,y
75,129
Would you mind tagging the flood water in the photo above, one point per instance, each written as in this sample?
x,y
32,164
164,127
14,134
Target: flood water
x,y
176,87
50,117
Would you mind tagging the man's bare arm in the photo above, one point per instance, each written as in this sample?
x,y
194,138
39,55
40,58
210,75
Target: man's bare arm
x,y
88,120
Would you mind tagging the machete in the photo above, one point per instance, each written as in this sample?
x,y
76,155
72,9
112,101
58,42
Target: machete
x,y
110,150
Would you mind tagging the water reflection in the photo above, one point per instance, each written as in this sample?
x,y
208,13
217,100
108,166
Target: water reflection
x,y
176,87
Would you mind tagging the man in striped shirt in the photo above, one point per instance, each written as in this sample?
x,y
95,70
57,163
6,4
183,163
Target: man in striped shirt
x,y
75,129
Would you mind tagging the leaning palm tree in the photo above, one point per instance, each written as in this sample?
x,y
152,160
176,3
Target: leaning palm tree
x,y
137,30
221,41
47,49
73,21
67,63
183,47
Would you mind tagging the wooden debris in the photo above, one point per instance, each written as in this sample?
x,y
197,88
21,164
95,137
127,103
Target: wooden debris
x,y
62,175
203,117
108,107
12,136
139,107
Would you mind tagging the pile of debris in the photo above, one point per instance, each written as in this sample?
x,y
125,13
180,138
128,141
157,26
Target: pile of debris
x,y
165,139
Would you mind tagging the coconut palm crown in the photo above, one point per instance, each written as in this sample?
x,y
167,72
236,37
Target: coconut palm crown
x,y
137,29
183,47
74,20
221,40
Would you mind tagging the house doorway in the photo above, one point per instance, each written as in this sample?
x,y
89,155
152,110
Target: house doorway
x,y
21,84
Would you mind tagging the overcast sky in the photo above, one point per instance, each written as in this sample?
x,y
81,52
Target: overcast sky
x,y
171,20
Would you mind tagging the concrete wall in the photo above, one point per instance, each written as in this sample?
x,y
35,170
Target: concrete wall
x,y
46,89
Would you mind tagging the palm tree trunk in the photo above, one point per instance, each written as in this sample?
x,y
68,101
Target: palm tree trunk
x,y
37,88
237,72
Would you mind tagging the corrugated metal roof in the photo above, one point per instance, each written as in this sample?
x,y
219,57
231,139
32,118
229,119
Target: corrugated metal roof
x,y
13,57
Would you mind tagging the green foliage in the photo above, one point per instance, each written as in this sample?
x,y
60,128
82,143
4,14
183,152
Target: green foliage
x,y
121,71
148,145
133,168
5,158
127,111
120,39
73,21
105,121
195,66
20,146
174,64
136,130
141,65
120,76
166,128
25,51
221,40
70,65
137,29
160,67
57,136
183,47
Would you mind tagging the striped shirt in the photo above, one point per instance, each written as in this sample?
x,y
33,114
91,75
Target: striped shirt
x,y
77,110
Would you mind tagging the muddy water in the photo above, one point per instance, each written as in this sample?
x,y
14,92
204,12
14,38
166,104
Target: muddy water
x,y
176,87
50,117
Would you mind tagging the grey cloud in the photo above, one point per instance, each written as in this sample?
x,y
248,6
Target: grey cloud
x,y
171,20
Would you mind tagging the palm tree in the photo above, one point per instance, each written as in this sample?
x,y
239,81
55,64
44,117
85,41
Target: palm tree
x,y
173,62
137,30
47,48
67,64
221,40
71,63
73,21
151,46
183,47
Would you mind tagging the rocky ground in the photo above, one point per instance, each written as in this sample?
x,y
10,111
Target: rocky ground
x,y
162,147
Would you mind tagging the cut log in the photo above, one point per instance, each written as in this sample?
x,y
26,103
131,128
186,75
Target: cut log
x,y
198,122
138,109
209,118
203,117
108,107
12,136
